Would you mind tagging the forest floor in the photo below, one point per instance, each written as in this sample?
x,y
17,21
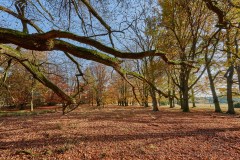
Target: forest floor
x,y
116,132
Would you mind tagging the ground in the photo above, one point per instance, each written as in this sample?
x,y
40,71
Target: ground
x,y
116,132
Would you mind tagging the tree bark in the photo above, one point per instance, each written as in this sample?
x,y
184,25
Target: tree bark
x,y
180,101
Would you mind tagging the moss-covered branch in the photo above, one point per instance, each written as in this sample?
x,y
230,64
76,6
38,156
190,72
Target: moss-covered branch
x,y
47,41
34,42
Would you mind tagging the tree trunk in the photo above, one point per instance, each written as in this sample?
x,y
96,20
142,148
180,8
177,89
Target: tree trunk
x,y
32,94
32,99
238,74
145,103
236,42
173,102
213,90
159,100
229,75
171,99
193,98
185,102
125,102
154,99
229,90
145,96
170,91
173,94
92,100
180,101
170,102
98,102
184,89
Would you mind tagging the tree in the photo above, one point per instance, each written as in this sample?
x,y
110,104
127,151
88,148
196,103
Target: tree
x,y
148,67
209,63
98,80
185,24
230,72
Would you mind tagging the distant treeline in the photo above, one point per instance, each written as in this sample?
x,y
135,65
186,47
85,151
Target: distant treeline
x,y
210,100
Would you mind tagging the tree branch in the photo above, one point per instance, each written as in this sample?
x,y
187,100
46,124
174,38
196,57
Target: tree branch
x,y
222,23
47,42
21,18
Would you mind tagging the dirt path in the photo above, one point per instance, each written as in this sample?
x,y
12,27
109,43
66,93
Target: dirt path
x,y
121,133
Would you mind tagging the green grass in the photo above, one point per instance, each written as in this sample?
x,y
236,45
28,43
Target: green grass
x,y
23,113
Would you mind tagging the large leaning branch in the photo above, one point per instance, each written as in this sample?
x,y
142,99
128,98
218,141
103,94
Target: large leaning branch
x,y
48,41
33,42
